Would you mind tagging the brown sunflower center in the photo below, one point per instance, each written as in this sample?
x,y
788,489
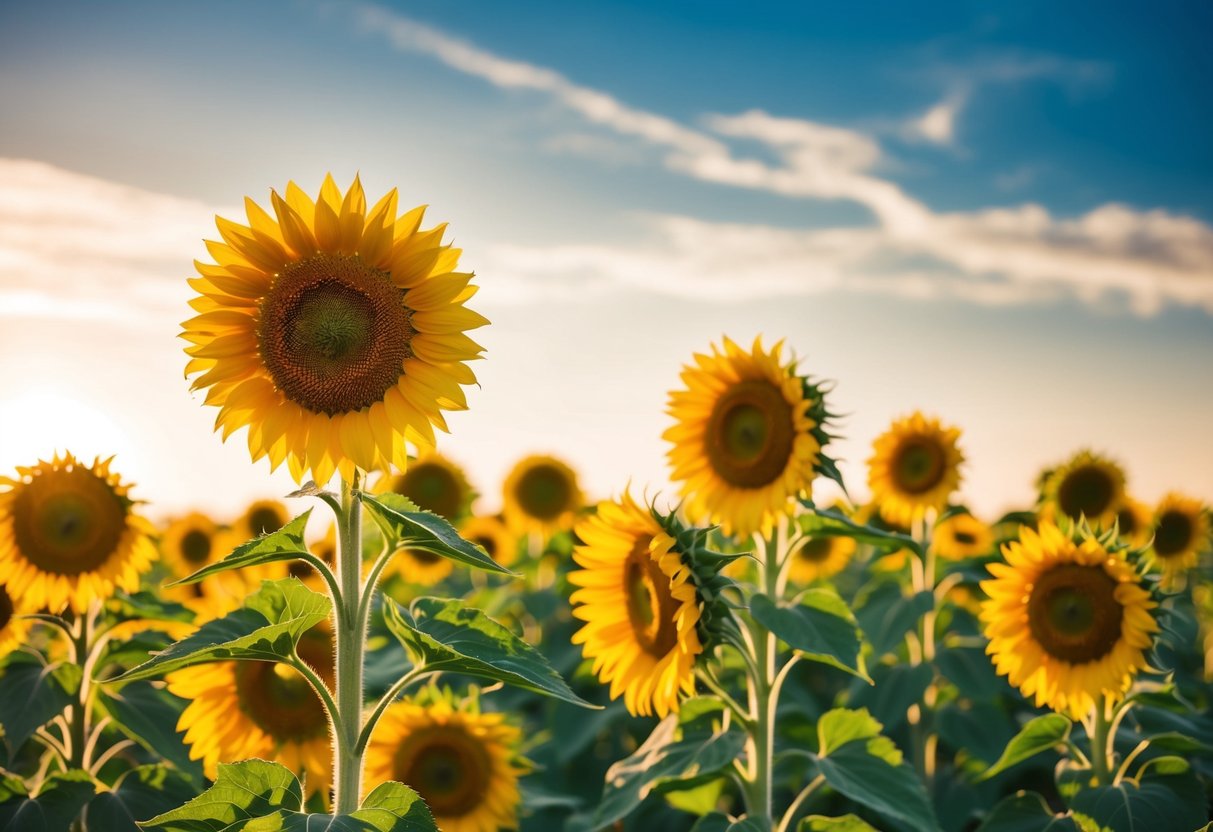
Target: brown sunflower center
x,y
196,546
1173,535
68,521
1126,521
450,769
422,556
816,550
1085,491
750,434
487,543
544,492
651,606
918,465
964,538
279,700
1073,613
433,488
6,608
334,333
265,520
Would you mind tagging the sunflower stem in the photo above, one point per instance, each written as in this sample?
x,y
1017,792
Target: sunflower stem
x,y
1099,744
923,738
763,691
349,643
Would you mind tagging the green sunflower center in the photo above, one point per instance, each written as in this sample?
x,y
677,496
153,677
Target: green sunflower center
x,y
1173,534
1086,491
919,465
450,769
750,434
432,487
68,521
279,700
1073,613
334,333
816,550
544,492
651,606
196,546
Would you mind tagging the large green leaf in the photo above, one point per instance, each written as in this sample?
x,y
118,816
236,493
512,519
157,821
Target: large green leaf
x,y
148,715
830,522
53,809
845,823
391,807
821,627
427,532
1166,796
1026,812
138,794
285,544
32,693
720,822
896,688
266,628
147,606
446,635
242,792
972,672
1040,734
886,615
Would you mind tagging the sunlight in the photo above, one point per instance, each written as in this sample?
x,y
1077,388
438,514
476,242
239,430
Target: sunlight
x,y
38,422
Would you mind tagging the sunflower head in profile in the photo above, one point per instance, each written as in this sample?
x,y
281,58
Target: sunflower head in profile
x,y
433,483
464,763
640,605
240,710
332,332
1088,486
69,534
541,496
13,629
914,468
748,437
962,536
492,535
1181,533
1069,621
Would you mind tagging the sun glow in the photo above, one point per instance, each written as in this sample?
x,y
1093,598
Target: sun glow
x,y
37,422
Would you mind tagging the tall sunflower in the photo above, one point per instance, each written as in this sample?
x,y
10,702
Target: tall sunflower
x,y
240,710
1068,621
541,495
914,468
333,333
962,536
69,534
640,606
12,628
747,438
1181,533
434,483
1088,485
463,763
490,534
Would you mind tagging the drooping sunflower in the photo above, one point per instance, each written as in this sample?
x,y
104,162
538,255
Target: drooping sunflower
x,y
1089,485
1068,621
261,517
962,536
433,483
914,468
490,534
747,438
333,333
640,606
819,558
12,629
1181,533
541,495
463,763
1135,522
240,710
69,534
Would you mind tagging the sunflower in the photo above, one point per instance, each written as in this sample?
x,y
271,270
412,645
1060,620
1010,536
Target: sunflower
x,y
245,709
541,495
962,536
422,568
464,764
333,333
261,517
69,534
190,543
490,534
819,558
1089,485
433,483
12,629
915,467
1135,522
1068,621
640,606
1181,533
218,594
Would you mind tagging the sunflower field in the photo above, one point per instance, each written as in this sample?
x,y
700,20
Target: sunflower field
x,y
373,652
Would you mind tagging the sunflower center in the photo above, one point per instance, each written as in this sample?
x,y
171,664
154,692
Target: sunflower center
x,y
544,492
265,520
919,465
651,606
6,608
488,544
1073,613
433,488
68,521
447,767
334,333
750,434
1173,534
964,538
279,700
422,556
815,550
1085,491
196,546
1126,521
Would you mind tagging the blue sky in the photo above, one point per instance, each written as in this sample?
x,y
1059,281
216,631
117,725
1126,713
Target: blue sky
x,y
998,212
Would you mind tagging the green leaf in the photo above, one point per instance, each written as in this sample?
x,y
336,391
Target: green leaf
x,y
138,794
1039,735
33,693
53,809
449,636
285,544
1170,797
148,715
829,522
426,532
886,615
1026,812
821,627
896,688
970,669
391,807
266,628
720,822
845,823
242,792
840,726
147,606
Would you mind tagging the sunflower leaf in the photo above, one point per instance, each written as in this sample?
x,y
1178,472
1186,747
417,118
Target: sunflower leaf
x,y
821,628
1166,794
139,793
266,628
1026,812
448,636
1039,735
424,531
32,693
285,544
53,809
391,807
830,522
242,793
845,823
148,715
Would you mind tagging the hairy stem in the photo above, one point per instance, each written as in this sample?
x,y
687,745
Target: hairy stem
x,y
1099,744
349,639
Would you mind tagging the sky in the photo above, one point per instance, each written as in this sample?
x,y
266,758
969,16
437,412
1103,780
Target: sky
x,y
1000,213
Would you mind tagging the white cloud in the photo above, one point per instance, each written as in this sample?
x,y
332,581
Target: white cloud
x,y
938,124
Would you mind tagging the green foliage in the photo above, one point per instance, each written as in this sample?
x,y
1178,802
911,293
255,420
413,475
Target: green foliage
x,y
820,627
148,715
720,822
846,823
284,544
886,614
829,522
1165,795
423,531
1039,735
1026,812
57,803
33,692
138,794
